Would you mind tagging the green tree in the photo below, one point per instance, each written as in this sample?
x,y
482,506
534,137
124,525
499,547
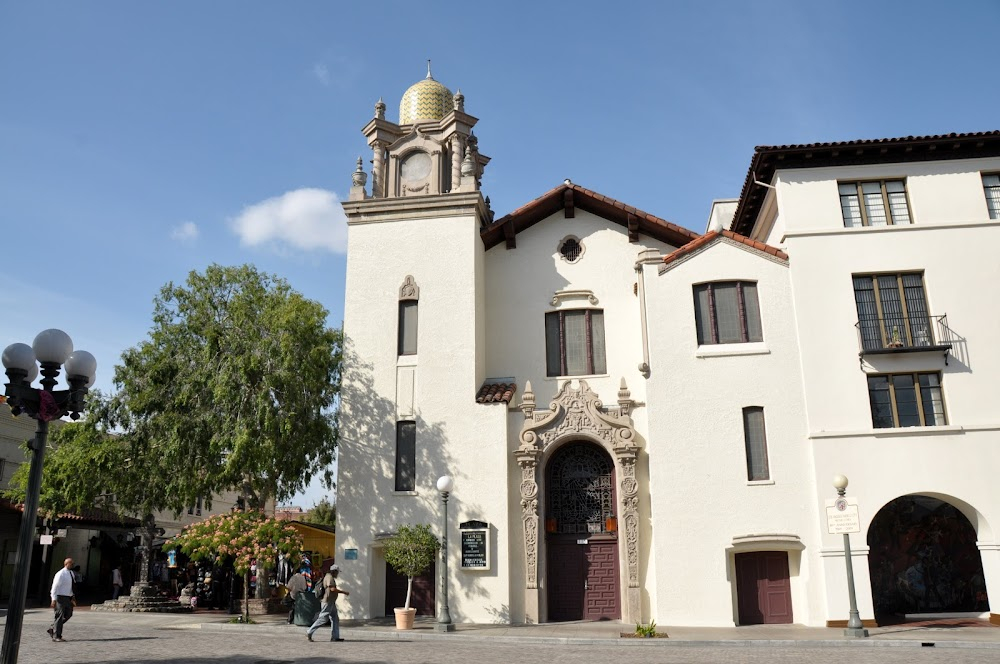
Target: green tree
x,y
411,552
234,386
324,512
242,538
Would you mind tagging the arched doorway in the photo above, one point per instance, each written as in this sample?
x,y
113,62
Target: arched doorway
x,y
581,535
923,559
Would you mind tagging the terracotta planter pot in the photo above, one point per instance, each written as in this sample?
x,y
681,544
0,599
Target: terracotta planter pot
x,y
404,618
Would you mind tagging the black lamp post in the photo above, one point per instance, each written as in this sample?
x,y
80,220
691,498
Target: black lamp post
x,y
444,484
52,349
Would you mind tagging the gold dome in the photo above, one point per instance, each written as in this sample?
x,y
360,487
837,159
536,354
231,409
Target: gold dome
x,y
426,100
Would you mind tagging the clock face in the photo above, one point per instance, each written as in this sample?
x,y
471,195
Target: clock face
x,y
416,167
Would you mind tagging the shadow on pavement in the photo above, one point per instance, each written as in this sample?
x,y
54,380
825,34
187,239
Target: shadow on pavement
x,y
116,638
235,659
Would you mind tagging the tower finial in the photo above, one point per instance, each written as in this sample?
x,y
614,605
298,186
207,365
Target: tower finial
x,y
429,69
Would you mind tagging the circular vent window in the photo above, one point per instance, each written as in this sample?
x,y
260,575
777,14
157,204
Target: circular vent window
x,y
571,249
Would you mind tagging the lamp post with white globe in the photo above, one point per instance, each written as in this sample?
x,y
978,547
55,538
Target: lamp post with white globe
x,y
855,627
444,484
53,350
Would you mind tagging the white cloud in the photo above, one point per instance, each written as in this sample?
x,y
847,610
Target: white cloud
x,y
308,219
322,73
186,231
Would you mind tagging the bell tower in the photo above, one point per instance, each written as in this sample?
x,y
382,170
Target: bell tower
x,y
432,150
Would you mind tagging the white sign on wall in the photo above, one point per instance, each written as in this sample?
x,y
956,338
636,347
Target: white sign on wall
x,y
842,516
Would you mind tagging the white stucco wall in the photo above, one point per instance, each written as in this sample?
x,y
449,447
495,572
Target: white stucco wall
x,y
701,497
454,435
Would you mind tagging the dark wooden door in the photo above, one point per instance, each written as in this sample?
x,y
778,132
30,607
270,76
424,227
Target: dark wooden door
x,y
763,589
422,598
583,580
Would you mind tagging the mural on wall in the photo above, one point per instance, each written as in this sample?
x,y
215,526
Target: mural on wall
x,y
923,559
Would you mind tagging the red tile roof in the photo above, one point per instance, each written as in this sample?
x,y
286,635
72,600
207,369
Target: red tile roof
x,y
768,158
569,196
90,515
712,236
496,393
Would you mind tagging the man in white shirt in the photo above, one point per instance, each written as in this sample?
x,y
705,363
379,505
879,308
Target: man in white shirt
x,y
62,599
116,582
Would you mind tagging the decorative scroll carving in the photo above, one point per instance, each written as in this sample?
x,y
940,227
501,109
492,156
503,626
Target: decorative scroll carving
x,y
578,413
573,294
409,290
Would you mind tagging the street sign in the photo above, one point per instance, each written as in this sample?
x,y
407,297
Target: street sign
x,y
61,532
842,516
45,540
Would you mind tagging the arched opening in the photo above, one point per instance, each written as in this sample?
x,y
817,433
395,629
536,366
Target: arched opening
x,y
581,540
923,559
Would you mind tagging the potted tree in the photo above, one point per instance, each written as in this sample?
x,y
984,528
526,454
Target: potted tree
x,y
410,552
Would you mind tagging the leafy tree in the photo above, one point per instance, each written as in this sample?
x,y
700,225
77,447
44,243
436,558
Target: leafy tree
x,y
241,537
411,552
324,512
234,386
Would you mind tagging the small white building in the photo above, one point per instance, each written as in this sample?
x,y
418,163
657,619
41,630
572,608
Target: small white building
x,y
643,422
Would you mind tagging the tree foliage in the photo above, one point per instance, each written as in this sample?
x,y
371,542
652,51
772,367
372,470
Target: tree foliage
x,y
411,552
324,512
234,387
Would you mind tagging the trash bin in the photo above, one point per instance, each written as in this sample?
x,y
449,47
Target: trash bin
x,y
306,608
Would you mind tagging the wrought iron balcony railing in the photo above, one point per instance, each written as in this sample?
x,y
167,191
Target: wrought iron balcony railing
x,y
904,334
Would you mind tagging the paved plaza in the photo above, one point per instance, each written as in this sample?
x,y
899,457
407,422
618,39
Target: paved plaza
x,y
208,639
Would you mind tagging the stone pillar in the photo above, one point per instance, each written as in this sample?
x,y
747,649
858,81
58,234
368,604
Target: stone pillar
x,y
378,169
456,162
629,492
990,554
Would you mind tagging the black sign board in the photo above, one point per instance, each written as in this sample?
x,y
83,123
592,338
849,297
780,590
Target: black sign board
x,y
475,549
473,524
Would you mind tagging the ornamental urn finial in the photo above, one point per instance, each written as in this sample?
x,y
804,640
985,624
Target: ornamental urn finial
x,y
380,109
359,178
459,101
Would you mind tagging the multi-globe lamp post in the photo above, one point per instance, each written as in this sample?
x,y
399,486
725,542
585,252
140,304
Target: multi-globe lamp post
x,y
53,350
444,484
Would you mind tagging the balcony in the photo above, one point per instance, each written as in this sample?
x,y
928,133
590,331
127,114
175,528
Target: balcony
x,y
904,334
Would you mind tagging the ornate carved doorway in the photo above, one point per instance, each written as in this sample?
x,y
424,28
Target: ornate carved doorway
x,y
581,535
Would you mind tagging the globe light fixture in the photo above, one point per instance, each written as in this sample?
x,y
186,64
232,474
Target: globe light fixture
x,y
52,349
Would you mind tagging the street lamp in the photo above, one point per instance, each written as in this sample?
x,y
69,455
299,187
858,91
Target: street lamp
x,y
52,349
854,626
444,484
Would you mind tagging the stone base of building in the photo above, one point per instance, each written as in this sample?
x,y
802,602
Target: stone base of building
x,y
142,599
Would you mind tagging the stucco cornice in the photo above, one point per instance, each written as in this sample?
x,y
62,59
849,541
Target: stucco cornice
x,y
379,210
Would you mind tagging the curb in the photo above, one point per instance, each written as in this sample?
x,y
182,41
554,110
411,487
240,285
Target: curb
x,y
362,634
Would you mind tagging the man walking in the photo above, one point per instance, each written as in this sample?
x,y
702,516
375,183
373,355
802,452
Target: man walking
x,y
116,581
329,608
62,599
295,585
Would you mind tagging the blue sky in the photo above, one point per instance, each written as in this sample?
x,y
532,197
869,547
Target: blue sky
x,y
143,140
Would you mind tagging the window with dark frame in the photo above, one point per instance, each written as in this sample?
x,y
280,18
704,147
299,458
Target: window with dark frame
x,y
406,456
408,327
892,310
874,203
906,400
755,439
574,342
571,249
727,312
991,187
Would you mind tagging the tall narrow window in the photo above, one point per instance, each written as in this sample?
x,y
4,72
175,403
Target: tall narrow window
x,y
756,444
991,185
906,400
409,293
892,311
876,203
727,312
574,343
406,456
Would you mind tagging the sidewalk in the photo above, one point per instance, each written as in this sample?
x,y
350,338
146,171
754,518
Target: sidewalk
x,y
939,633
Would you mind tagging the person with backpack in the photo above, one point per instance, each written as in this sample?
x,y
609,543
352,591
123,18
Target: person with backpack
x,y
328,596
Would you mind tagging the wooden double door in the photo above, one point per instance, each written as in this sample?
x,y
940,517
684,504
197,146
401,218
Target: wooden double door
x,y
583,579
763,588
421,598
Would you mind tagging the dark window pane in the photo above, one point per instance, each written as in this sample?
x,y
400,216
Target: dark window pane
x,y
906,401
752,311
553,351
868,318
597,341
881,403
892,310
931,399
408,328
703,315
756,444
916,309
406,456
727,313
